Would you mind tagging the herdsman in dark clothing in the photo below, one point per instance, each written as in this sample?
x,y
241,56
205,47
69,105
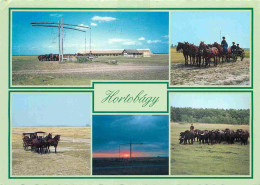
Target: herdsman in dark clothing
x,y
238,48
233,47
191,127
224,44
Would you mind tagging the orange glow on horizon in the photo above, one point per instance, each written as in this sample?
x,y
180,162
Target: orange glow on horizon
x,y
124,154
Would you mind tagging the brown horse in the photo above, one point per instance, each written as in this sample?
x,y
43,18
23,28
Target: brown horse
x,y
53,142
222,53
40,144
208,53
183,47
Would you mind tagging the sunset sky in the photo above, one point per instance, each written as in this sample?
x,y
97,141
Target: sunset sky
x,y
109,131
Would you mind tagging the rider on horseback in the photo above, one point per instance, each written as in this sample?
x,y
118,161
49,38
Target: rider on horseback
x,y
224,44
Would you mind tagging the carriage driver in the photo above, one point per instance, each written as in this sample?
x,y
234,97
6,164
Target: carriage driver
x,y
224,44
238,48
233,47
191,127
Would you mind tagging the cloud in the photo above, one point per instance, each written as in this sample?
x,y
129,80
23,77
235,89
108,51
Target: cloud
x,y
103,19
165,36
115,40
55,15
127,42
153,41
93,24
141,38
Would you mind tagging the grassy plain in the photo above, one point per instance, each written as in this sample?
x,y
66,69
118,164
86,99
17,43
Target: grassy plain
x,y
204,159
133,166
27,70
72,157
232,73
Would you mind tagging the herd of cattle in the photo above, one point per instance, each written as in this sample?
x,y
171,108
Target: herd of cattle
x,y
214,136
40,144
202,54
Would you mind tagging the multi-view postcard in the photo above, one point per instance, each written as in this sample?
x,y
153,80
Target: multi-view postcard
x,y
129,92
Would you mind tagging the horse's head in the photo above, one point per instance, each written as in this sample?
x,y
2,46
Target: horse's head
x,y
57,137
179,46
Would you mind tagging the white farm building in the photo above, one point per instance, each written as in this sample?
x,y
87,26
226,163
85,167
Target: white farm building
x,y
118,52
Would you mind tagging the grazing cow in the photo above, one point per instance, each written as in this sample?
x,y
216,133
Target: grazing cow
x,y
212,137
203,136
244,137
196,134
186,136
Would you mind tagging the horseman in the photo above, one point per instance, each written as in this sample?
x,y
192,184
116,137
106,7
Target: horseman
x,y
233,47
224,44
191,127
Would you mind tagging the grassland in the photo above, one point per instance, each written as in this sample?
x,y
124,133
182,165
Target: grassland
x,y
72,157
233,73
133,166
203,159
27,70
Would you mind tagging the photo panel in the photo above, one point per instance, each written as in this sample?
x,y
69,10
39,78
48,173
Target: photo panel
x,y
211,48
72,48
211,134
130,145
50,134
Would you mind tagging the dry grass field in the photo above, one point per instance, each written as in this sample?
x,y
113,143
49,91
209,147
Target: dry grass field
x,y
204,159
72,157
233,73
28,70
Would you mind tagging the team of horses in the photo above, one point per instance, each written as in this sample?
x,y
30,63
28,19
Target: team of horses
x,y
41,144
214,136
203,54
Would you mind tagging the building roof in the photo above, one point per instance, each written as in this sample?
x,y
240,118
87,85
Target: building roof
x,y
113,51
131,51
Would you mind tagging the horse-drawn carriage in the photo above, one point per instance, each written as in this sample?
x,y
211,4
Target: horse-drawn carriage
x,y
29,136
39,142
204,53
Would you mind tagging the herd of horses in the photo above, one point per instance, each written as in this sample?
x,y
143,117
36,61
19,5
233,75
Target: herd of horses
x,y
203,54
40,144
214,136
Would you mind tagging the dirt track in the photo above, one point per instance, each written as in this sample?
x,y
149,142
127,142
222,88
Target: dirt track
x,y
95,69
233,73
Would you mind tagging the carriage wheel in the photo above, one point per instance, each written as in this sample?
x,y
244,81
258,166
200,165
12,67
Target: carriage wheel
x,y
242,56
234,57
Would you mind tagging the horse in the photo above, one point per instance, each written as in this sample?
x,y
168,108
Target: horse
x,y
208,53
194,53
183,47
53,142
40,143
222,53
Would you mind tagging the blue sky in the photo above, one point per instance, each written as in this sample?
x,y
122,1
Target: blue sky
x,y
211,100
196,26
110,30
41,109
111,130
